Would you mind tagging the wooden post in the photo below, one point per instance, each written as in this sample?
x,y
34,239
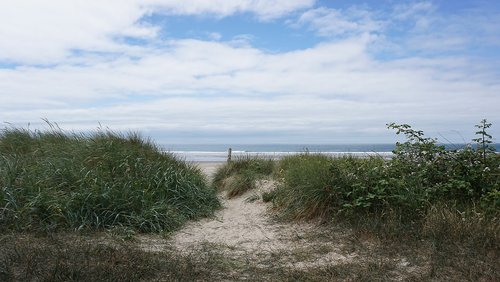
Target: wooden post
x,y
229,151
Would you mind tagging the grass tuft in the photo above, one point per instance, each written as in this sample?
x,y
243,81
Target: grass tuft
x,y
239,176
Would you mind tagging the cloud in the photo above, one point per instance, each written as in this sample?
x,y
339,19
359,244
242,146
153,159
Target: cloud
x,y
333,22
214,36
430,31
198,86
414,10
333,90
46,32
263,9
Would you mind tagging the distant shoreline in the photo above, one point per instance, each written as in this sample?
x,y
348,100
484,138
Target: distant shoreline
x,y
217,157
219,152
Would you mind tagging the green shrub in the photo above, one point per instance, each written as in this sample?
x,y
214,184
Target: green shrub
x,y
462,176
51,180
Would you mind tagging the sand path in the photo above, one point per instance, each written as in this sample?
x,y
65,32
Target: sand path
x,y
241,224
245,231
244,227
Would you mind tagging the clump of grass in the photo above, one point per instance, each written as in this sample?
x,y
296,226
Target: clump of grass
x,y
53,180
238,176
316,185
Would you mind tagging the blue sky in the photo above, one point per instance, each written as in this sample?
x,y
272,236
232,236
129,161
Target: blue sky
x,y
252,71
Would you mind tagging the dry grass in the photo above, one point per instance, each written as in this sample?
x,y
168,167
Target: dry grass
x,y
326,253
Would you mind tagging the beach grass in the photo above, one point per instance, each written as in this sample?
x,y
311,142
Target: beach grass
x,y
98,257
239,175
51,180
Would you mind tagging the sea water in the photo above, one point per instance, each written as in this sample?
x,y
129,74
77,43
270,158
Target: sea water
x,y
219,152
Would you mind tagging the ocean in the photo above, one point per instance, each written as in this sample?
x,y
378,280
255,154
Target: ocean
x,y
219,152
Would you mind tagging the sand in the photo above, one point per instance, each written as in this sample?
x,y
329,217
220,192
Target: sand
x,y
240,223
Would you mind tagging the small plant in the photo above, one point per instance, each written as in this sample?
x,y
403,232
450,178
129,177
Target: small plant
x,y
484,140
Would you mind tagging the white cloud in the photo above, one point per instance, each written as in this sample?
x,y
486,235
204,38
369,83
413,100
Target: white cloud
x,y
264,9
331,89
414,10
198,86
428,31
332,22
214,36
45,32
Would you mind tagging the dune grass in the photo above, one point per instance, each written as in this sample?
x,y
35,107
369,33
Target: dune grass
x,y
98,257
51,180
239,175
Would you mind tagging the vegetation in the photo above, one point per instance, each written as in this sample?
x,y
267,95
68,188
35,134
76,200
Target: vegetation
x,y
426,214
70,257
52,180
420,176
425,194
98,257
238,176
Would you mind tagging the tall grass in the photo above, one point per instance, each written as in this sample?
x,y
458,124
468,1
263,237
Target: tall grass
x,y
52,180
321,186
239,175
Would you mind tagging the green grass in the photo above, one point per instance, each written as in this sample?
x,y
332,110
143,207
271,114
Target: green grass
x,y
239,175
320,186
52,180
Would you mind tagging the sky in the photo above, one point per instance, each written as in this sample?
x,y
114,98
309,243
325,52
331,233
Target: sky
x,y
252,71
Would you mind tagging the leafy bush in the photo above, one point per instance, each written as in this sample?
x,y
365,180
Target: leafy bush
x,y
461,176
51,180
